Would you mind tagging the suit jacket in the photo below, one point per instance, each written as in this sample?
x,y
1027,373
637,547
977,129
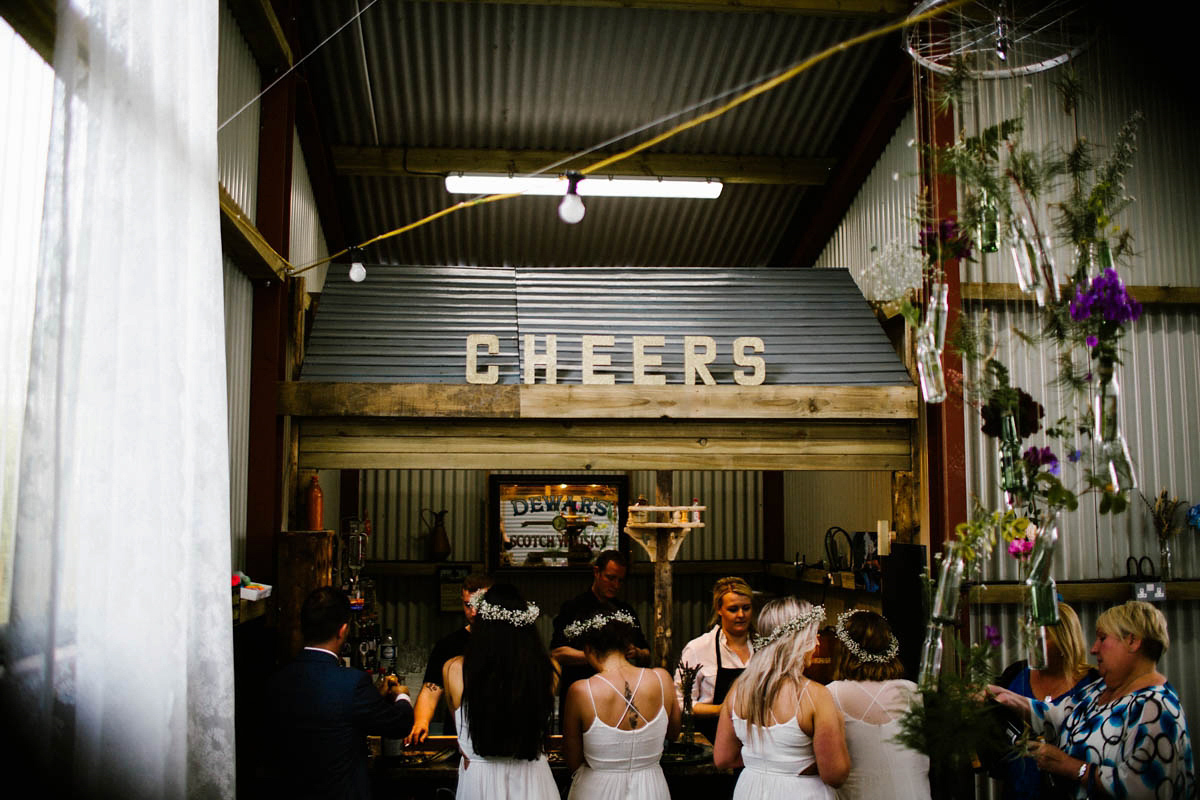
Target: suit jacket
x,y
321,713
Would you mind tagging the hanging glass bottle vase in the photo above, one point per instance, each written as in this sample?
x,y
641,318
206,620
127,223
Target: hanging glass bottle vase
x,y
1010,448
989,223
1042,593
1024,257
1033,638
931,657
1113,448
949,585
1101,255
938,312
929,366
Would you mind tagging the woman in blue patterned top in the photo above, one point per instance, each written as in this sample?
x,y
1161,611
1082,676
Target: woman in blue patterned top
x,y
1124,735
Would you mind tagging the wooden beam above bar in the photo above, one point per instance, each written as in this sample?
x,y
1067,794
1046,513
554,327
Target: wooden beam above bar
x,y
559,401
1146,295
435,162
828,8
243,243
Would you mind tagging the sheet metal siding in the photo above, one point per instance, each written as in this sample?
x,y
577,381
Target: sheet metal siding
x,y
882,219
239,307
1164,180
538,76
238,81
307,238
409,324
816,501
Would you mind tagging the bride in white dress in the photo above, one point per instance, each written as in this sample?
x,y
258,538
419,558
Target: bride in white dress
x,y
782,727
502,692
872,698
614,723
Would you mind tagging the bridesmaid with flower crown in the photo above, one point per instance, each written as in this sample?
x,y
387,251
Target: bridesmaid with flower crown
x,y
872,697
501,692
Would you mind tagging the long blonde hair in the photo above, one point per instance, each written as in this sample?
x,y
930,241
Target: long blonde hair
x,y
1067,636
778,663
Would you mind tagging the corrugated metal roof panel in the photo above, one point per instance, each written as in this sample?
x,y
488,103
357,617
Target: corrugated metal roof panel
x,y
409,324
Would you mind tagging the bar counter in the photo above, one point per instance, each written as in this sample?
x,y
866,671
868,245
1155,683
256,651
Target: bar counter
x,y
421,771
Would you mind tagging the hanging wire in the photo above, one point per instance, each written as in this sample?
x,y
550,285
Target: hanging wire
x,y
759,89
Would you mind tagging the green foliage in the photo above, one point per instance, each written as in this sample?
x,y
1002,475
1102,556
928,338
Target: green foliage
x,y
955,725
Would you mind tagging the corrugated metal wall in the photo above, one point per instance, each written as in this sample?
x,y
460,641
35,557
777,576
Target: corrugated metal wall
x,y
307,239
816,501
239,314
879,231
238,82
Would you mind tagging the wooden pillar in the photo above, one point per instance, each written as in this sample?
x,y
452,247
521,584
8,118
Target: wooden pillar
x,y
945,437
663,601
271,326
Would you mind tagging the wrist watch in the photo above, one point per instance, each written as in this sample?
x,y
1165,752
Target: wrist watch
x,y
1083,768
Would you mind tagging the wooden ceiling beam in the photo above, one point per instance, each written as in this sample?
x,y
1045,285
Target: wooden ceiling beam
x,y
436,162
35,21
825,8
264,34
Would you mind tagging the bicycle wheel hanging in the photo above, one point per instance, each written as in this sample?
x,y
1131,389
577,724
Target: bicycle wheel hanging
x,y
997,39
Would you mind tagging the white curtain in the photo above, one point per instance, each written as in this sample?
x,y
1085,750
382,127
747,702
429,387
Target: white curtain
x,y
118,653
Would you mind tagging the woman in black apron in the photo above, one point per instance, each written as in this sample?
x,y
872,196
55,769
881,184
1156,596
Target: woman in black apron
x,y
731,625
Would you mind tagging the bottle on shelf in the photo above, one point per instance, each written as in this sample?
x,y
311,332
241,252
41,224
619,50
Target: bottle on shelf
x,y
694,515
316,506
387,653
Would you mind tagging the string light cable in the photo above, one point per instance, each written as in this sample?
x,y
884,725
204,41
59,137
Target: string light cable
x,y
758,89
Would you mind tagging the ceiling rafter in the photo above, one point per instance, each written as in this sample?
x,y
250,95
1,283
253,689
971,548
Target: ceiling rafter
x,y
825,8
437,162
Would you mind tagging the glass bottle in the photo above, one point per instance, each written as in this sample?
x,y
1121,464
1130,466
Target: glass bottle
x,y
929,366
949,585
989,223
1010,449
1113,448
1042,591
931,657
937,312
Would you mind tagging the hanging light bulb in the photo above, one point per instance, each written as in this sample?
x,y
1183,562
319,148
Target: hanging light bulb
x,y
358,272
571,209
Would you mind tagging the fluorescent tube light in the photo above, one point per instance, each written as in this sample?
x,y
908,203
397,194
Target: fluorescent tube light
x,y
599,186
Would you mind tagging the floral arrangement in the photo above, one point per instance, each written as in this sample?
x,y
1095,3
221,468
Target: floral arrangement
x,y
857,650
1102,311
814,614
582,626
495,613
1164,512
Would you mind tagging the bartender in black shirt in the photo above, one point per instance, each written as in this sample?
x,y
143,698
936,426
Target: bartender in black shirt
x,y
608,576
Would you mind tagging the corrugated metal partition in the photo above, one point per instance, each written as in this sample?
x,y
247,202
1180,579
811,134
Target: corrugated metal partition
x,y
307,239
1160,374
239,313
875,239
813,502
238,82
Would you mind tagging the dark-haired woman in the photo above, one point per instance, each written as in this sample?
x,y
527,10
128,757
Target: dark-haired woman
x,y
614,723
872,697
502,694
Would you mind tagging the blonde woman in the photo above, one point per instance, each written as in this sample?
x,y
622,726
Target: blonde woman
x,y
781,726
1124,735
1067,670
872,695
721,654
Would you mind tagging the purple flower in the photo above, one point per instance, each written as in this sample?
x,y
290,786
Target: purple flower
x,y
1093,340
992,634
1074,456
1043,457
1106,297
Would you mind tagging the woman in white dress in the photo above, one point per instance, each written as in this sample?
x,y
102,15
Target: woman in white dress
x,y
872,697
502,692
781,726
614,723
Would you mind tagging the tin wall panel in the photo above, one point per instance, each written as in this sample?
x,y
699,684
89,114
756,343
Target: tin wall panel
x,y
816,501
307,239
239,314
238,82
409,324
875,239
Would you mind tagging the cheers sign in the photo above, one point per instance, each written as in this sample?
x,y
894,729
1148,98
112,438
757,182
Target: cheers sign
x,y
698,353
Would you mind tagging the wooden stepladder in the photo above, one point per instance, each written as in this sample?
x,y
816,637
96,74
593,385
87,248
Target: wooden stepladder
x,y
661,530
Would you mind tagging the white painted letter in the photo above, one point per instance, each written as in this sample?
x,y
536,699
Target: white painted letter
x,y
591,360
549,360
492,373
693,363
641,361
740,358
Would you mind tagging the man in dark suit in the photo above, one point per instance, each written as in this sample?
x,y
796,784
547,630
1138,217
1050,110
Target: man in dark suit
x,y
322,711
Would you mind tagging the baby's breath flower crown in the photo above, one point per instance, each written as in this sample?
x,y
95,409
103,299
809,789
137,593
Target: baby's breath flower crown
x,y
791,626
582,626
857,650
495,613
